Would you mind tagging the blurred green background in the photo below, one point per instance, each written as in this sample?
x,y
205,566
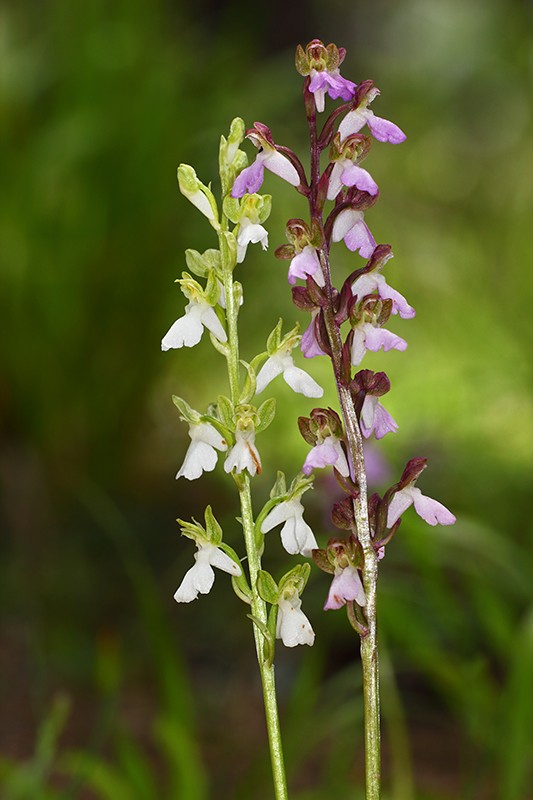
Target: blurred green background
x,y
109,689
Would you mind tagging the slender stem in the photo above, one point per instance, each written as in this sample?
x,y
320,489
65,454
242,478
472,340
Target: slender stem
x,y
369,641
258,605
265,667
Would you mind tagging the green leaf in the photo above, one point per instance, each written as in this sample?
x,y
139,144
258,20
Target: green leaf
x,y
266,208
297,577
267,587
228,250
225,411
200,263
274,339
187,414
248,390
214,531
280,486
266,413
269,640
212,288
232,208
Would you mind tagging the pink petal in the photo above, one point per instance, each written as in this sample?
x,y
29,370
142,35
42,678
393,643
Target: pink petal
x,y
250,179
384,130
380,338
359,238
357,176
432,511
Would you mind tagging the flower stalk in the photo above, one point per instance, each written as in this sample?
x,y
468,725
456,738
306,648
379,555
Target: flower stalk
x,y
354,440
257,604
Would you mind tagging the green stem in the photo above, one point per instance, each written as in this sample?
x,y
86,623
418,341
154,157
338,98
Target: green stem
x,y
258,605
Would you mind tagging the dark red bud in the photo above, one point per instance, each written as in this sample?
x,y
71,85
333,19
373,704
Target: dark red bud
x,y
413,469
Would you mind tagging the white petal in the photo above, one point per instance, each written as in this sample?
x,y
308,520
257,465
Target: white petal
x,y
200,457
199,579
293,627
335,183
218,558
280,513
297,537
187,330
341,464
368,414
345,222
205,432
358,346
399,503
352,123
201,202
212,322
301,382
280,165
366,284
270,370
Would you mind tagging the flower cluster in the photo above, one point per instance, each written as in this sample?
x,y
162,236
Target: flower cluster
x,y
229,426
346,322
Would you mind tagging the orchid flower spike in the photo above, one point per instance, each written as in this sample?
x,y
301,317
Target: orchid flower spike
x,y
381,129
296,535
200,578
322,65
251,178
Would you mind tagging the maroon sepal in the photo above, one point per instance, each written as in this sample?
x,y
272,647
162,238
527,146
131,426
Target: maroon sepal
x,y
316,293
381,254
346,359
348,486
359,200
323,184
301,299
285,251
304,425
321,334
322,561
413,469
361,92
345,297
342,515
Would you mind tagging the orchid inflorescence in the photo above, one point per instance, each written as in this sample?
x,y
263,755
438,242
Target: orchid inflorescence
x,y
345,323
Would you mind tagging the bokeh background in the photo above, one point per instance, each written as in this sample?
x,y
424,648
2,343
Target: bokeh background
x,y
109,689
